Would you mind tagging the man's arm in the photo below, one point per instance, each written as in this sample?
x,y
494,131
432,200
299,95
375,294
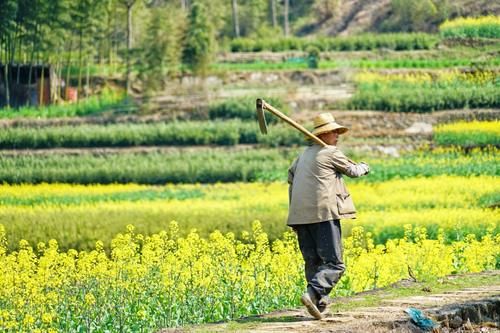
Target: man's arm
x,y
348,167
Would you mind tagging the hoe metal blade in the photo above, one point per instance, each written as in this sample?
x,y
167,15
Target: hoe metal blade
x,y
261,116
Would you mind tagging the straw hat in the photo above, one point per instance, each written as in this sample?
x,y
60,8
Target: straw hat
x,y
325,122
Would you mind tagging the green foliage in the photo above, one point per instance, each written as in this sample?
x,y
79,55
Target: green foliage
x,y
152,168
410,15
267,66
423,63
85,32
199,40
467,139
108,101
446,162
8,10
125,135
468,134
399,42
86,21
491,200
252,16
159,52
313,56
243,108
224,166
233,108
152,194
422,99
469,27
301,63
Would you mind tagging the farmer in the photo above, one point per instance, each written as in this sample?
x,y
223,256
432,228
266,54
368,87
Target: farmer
x,y
318,200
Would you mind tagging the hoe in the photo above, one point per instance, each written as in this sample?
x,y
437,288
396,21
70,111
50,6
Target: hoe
x,y
262,105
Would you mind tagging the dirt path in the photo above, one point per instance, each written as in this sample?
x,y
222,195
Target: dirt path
x,y
389,317
451,308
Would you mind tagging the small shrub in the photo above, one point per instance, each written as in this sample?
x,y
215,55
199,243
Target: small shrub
x,y
243,108
471,27
313,56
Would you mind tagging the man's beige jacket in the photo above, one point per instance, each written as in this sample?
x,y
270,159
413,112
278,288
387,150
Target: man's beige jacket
x,y
317,190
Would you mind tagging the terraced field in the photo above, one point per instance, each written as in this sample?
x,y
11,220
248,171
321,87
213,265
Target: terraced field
x,y
125,218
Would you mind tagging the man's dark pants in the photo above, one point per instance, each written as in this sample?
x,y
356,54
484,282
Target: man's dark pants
x,y
321,247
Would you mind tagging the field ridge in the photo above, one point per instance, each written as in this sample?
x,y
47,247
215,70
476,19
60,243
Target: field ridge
x,y
382,310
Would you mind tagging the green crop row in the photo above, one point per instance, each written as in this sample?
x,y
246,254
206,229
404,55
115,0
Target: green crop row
x,y
107,101
423,63
413,98
263,66
222,165
469,134
363,64
404,41
471,27
242,108
151,168
229,132
152,194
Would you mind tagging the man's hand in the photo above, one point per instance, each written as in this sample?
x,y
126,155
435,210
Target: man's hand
x,y
366,167
357,170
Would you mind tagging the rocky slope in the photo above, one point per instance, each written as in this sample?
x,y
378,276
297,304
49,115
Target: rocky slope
x,y
355,16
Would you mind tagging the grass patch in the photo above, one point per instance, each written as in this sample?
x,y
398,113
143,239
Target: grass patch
x,y
425,91
448,283
108,101
371,298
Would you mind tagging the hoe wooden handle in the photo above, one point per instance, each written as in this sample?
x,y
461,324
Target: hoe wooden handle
x,y
261,104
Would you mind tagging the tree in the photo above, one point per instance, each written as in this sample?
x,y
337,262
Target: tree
x,y
253,17
8,10
234,6
218,14
86,20
159,50
285,18
128,5
54,20
198,41
412,15
272,6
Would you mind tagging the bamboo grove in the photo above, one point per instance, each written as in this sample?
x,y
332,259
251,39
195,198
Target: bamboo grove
x,y
123,36
148,40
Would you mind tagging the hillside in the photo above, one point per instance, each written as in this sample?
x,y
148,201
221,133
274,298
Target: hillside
x,y
358,16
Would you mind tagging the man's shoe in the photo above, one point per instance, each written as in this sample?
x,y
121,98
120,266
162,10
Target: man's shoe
x,y
311,306
323,303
